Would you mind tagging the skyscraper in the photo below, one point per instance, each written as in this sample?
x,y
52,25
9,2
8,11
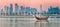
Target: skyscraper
x,y
22,8
28,10
2,12
16,8
53,10
11,9
6,9
34,11
40,8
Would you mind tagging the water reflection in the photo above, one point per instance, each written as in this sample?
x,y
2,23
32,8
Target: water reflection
x,y
11,22
16,22
41,23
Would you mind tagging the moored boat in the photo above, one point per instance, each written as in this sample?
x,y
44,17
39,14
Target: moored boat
x,y
41,17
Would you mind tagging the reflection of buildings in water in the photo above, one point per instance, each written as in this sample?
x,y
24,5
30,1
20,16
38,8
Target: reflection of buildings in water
x,y
16,22
41,23
11,22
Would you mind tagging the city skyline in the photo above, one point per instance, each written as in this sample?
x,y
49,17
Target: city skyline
x,y
27,10
18,9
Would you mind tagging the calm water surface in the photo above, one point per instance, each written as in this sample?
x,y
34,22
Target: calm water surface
x,y
26,22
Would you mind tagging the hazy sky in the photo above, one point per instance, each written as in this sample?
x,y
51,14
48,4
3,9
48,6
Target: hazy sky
x,y
32,3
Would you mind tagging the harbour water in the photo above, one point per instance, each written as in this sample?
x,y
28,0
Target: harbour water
x,y
27,22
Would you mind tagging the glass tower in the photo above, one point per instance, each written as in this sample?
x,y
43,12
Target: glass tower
x,y
16,8
6,9
28,10
22,8
11,9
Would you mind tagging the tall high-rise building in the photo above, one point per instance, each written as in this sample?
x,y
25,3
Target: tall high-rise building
x,y
11,9
2,12
6,8
53,10
22,8
34,10
16,8
40,8
28,11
